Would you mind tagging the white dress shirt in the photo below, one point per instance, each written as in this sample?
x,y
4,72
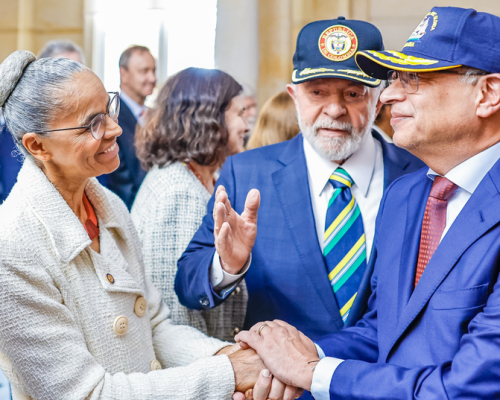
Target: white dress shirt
x,y
366,168
136,108
467,177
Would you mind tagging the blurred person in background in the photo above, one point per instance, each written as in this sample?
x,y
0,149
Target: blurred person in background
x,y
63,48
137,81
79,318
383,123
198,121
250,103
277,122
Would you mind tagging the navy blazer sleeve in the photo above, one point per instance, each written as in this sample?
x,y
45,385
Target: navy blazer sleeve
x,y
192,282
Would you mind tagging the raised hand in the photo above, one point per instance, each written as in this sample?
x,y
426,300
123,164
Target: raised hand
x,y
235,234
285,351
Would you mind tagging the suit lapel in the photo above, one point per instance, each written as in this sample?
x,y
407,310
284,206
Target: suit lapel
x,y
292,188
479,215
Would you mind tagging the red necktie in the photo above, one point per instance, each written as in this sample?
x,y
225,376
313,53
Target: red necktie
x,y
434,221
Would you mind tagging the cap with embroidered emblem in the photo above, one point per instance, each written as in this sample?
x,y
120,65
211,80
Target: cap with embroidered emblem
x,y
326,49
447,37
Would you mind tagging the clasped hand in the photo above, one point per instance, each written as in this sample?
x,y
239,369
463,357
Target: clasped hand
x,y
253,380
285,351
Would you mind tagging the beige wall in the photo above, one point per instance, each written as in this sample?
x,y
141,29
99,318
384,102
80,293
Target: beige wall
x,y
28,24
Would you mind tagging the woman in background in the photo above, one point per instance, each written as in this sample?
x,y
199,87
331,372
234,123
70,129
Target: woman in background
x,y
277,122
197,123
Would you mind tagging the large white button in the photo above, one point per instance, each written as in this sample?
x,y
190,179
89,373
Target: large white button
x,y
237,290
155,365
121,325
140,306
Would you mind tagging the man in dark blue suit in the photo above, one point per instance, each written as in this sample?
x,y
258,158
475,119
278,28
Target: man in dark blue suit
x,y
290,275
433,327
138,79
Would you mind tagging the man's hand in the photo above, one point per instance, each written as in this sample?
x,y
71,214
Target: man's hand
x,y
285,351
268,387
235,234
247,366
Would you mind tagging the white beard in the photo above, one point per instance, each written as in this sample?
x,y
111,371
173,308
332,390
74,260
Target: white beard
x,y
335,148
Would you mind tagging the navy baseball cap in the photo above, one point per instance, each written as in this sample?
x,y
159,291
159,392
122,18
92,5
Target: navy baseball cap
x,y
326,49
448,37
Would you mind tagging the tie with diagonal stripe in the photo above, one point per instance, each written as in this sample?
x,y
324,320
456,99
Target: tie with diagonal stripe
x,y
344,247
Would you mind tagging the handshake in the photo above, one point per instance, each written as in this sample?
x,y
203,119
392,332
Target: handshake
x,y
275,348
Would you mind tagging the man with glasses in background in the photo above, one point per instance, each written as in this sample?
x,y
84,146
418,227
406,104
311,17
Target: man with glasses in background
x,y
433,327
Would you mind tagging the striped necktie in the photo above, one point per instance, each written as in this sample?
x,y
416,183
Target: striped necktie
x,y
344,246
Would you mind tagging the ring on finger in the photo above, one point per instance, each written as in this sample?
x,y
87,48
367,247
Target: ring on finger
x,y
262,327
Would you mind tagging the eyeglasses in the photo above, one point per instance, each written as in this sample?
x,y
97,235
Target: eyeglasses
x,y
409,80
98,124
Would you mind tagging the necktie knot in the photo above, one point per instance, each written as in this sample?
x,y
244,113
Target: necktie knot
x,y
340,179
442,188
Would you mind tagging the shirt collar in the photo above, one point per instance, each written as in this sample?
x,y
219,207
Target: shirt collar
x,y
469,174
360,166
135,107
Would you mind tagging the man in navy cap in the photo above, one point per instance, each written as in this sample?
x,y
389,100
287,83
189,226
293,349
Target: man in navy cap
x,y
433,326
320,195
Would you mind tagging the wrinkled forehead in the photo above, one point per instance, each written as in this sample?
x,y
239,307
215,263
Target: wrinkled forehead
x,y
333,84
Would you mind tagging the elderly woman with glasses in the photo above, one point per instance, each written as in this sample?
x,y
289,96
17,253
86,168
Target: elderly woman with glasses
x,y
79,319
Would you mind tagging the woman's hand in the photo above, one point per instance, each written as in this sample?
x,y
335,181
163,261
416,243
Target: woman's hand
x,y
235,234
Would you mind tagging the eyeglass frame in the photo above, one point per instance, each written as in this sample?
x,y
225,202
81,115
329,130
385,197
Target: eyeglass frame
x,y
443,71
115,94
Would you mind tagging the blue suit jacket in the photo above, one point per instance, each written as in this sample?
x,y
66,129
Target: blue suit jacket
x,y
9,165
127,178
288,277
441,340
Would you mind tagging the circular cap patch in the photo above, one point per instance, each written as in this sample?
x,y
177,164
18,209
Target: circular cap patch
x,y
338,43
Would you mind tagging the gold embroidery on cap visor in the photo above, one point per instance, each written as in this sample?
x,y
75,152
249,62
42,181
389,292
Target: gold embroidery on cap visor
x,y
338,43
309,73
401,62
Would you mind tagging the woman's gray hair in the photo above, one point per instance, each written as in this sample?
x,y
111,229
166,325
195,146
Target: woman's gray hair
x,y
31,92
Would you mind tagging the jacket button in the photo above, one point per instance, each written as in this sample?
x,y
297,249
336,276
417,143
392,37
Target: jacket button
x,y
121,325
235,331
110,278
155,365
237,290
140,306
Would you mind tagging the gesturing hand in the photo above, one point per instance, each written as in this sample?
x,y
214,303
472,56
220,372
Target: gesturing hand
x,y
285,351
235,234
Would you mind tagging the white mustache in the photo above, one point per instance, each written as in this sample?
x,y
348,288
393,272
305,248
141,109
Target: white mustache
x,y
332,124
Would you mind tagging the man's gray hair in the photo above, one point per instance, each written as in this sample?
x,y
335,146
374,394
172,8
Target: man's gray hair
x,y
55,48
125,57
32,92
471,75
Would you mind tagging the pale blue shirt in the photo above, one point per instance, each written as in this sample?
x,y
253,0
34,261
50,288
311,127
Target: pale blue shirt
x,y
136,108
467,176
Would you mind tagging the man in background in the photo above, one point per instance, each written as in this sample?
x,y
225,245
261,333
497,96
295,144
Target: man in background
x,y
138,80
63,48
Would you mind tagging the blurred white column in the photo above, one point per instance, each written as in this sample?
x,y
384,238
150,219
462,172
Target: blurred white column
x,y
237,40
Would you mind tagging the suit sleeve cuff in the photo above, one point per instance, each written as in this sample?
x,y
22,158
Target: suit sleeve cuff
x,y
322,377
221,279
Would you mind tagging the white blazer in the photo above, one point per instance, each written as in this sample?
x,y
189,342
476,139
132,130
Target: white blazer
x,y
76,324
